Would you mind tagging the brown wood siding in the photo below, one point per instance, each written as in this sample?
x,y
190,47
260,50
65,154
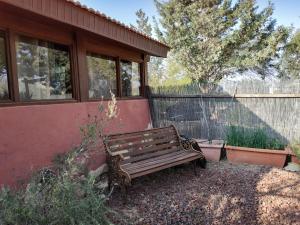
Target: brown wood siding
x,y
67,12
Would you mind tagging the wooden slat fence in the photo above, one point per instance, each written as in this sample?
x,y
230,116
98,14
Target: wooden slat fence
x,y
208,111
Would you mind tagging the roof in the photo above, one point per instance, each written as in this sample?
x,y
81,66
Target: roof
x,y
98,13
78,15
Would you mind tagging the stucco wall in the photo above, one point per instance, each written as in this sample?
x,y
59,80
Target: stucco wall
x,y
30,136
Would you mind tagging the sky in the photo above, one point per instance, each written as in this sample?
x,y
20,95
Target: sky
x,y
286,12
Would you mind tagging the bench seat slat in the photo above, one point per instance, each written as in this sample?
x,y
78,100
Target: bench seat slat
x,y
153,159
155,148
147,156
163,166
133,169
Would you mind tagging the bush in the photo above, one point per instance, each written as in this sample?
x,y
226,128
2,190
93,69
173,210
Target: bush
x,y
60,201
65,194
252,138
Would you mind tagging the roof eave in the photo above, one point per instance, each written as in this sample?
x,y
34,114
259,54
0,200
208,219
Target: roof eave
x,y
80,16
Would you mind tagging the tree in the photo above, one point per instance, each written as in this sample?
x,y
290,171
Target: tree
x,y
155,66
142,22
214,38
290,61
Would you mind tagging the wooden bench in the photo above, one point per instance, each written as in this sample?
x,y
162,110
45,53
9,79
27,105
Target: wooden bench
x,y
132,155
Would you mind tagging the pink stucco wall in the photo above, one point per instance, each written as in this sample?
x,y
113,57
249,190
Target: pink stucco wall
x,y
30,136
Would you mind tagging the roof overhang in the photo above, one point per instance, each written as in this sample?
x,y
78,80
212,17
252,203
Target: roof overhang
x,y
79,16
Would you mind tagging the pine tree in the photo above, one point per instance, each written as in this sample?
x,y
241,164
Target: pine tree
x,y
290,61
214,38
155,66
143,24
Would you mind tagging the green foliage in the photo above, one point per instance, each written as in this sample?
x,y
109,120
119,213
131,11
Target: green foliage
x,y
296,150
290,60
142,22
65,194
251,138
155,65
216,37
167,75
59,202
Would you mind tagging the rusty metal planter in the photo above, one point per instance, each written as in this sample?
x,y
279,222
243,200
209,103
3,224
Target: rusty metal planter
x,y
256,156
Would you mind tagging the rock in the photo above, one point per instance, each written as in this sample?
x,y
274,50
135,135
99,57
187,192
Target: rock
x,y
223,193
99,171
102,184
293,167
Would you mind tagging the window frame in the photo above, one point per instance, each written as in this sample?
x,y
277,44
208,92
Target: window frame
x,y
72,77
104,56
5,36
141,75
78,47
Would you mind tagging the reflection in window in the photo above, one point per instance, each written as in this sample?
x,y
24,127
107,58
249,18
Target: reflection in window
x,y
130,76
44,70
3,71
102,76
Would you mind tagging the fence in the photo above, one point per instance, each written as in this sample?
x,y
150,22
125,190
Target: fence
x,y
207,111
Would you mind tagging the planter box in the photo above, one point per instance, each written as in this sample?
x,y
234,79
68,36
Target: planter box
x,y
256,156
294,159
212,151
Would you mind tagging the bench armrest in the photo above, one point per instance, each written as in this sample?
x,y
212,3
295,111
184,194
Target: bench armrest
x,y
118,153
189,144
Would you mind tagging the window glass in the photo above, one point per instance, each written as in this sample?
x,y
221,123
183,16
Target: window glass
x,y
102,76
44,70
3,71
131,79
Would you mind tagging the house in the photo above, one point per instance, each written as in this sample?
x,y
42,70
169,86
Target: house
x,y
57,59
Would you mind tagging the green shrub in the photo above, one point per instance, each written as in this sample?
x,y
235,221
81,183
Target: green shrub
x,y
252,138
296,150
65,194
59,202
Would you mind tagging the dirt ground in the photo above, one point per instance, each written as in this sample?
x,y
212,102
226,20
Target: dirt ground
x,y
220,194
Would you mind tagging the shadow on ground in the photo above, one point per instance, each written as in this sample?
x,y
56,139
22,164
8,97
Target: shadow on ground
x,y
221,194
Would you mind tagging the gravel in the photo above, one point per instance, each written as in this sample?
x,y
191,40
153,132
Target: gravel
x,y
220,194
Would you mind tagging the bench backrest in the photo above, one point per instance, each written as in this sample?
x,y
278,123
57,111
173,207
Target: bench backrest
x,y
143,145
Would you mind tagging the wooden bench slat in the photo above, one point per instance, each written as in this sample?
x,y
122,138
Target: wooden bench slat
x,y
139,133
139,136
142,143
172,147
147,156
147,166
156,148
163,166
157,159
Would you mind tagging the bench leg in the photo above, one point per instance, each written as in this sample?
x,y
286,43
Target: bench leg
x,y
123,186
195,167
109,181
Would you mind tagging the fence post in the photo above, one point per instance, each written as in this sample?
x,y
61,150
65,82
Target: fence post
x,y
151,105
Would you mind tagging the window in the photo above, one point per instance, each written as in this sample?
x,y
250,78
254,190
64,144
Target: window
x,y
4,93
130,78
102,76
43,69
